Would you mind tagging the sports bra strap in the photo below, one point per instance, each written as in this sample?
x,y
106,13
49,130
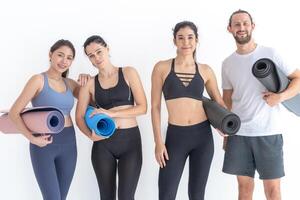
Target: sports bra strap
x,y
46,82
197,70
66,83
172,65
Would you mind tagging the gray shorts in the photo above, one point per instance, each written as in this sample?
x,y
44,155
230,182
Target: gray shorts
x,y
244,155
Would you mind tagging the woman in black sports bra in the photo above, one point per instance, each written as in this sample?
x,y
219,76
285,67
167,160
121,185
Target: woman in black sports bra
x,y
189,135
117,92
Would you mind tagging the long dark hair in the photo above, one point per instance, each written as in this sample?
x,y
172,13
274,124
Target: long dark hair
x,y
184,24
94,38
59,44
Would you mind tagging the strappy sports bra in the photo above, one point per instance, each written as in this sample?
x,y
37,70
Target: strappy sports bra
x,y
174,88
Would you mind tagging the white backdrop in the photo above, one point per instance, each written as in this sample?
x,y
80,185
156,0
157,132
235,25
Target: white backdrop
x,y
139,34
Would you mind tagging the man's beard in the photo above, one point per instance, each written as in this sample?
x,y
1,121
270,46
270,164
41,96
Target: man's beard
x,y
243,40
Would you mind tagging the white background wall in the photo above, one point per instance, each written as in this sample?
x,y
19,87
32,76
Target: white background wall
x,y
139,34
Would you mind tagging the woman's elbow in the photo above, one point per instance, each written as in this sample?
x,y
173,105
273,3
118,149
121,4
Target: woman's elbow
x,y
12,115
143,109
78,119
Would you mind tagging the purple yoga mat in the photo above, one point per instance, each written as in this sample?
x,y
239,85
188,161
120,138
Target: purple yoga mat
x,y
37,119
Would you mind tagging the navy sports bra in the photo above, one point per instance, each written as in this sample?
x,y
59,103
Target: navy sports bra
x,y
174,88
118,95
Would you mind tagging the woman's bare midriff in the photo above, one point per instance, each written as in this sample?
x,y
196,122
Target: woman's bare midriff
x,y
68,121
185,111
127,122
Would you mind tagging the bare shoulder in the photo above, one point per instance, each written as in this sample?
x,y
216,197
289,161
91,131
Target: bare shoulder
x,y
89,86
129,70
162,64
206,71
130,74
162,67
35,83
204,67
36,80
71,81
90,83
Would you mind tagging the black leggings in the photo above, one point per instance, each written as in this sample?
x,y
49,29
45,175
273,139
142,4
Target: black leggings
x,y
195,142
123,153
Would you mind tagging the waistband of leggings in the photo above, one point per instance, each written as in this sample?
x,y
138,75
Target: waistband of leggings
x,y
194,126
65,129
126,130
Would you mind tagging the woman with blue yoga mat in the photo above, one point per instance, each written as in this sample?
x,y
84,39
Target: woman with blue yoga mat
x,y
53,156
101,124
118,93
182,81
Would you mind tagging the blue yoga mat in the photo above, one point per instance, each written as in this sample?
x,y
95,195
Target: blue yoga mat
x,y
102,124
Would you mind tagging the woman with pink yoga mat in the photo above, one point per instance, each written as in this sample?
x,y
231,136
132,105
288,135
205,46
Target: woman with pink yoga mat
x,y
53,156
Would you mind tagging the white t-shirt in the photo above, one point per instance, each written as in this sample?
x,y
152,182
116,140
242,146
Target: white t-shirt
x,y
257,117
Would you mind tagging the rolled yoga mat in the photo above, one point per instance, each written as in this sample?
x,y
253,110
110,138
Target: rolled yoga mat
x,y
221,118
275,81
37,119
102,124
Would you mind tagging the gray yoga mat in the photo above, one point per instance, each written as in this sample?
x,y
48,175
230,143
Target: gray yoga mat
x,y
221,118
266,71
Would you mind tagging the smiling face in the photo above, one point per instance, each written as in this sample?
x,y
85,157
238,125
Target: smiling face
x,y
98,54
241,28
61,59
185,41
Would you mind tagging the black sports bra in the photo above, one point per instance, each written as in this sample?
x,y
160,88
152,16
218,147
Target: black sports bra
x,y
118,95
173,86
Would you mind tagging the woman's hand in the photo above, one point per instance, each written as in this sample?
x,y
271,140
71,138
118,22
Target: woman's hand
x,y
83,79
161,154
94,137
42,140
221,133
102,111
